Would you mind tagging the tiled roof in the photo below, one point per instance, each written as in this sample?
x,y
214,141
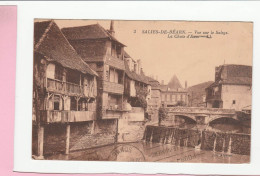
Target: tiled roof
x,y
238,71
164,87
137,77
94,31
53,45
127,55
154,83
39,30
233,74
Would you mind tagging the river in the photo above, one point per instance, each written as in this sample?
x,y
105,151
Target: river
x,y
150,152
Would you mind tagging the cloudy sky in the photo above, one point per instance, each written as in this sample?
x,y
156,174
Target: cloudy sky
x,y
191,59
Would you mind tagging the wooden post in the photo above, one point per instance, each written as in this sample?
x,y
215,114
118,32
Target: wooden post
x,y
67,139
40,141
123,80
116,137
77,103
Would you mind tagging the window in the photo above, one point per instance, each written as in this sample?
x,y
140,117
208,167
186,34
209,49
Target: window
x,y
163,97
73,104
73,77
118,52
234,101
58,72
168,97
113,49
173,97
56,103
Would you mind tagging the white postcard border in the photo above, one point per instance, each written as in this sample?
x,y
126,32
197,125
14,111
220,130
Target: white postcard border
x,y
198,11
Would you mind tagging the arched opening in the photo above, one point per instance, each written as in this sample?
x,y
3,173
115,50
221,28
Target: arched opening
x,y
226,124
183,121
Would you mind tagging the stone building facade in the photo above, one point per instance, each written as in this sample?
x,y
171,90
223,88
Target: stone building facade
x,y
171,98
232,88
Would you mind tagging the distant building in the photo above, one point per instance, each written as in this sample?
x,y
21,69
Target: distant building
x,y
232,88
171,98
197,94
155,102
173,94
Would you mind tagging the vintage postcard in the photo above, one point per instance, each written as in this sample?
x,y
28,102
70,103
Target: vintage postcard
x,y
142,91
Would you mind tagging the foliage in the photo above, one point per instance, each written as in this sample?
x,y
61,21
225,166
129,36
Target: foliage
x,y
138,102
180,103
162,114
140,99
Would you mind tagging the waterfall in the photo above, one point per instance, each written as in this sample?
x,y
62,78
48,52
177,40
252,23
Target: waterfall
x,y
215,142
229,145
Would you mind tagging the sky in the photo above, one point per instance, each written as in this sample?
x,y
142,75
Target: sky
x,y
190,59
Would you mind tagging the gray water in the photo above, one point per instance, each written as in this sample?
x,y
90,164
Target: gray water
x,y
151,152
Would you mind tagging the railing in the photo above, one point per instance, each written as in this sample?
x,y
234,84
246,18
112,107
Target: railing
x,y
55,85
115,62
216,96
201,110
56,116
113,87
73,88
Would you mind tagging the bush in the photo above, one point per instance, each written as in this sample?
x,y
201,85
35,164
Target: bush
x,y
162,114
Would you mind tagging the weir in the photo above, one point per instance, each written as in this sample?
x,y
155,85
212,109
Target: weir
x,y
236,143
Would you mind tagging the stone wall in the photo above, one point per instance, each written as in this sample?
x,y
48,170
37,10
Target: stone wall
x,y
54,138
82,136
241,94
130,131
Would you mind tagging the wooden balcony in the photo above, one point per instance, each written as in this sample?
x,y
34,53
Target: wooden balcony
x,y
54,85
115,62
216,96
56,116
113,87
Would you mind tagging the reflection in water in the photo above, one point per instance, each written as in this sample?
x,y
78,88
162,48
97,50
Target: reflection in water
x,y
151,152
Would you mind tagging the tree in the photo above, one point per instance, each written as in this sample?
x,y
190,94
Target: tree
x,y
162,114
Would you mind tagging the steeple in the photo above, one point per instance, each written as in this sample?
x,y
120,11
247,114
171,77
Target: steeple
x,y
112,31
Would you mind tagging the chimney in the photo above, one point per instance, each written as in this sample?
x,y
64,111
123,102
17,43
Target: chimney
x,y
139,66
135,67
156,77
112,31
186,84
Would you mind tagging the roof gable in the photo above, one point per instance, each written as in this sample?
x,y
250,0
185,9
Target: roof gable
x,y
54,47
94,31
137,77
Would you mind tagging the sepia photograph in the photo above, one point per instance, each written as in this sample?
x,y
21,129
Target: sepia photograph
x,y
142,91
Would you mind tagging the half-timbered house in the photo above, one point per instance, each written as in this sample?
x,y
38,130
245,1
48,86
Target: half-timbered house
x,y
64,86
